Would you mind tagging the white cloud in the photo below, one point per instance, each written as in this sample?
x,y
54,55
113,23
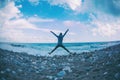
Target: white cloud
x,y
11,35
19,24
34,2
56,31
71,23
77,25
19,6
9,12
106,25
37,19
104,30
10,17
18,35
72,4
12,26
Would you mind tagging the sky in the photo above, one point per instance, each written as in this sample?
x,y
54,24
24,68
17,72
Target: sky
x,y
32,20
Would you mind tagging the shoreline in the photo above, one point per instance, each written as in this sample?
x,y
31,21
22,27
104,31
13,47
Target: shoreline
x,y
101,64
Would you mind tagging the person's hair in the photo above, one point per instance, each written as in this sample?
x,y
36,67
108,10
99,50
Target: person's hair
x,y
60,33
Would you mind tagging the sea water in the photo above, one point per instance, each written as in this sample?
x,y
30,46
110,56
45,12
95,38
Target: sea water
x,y
42,49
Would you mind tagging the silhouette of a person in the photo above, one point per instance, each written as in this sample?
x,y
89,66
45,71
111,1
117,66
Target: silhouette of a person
x,y
60,41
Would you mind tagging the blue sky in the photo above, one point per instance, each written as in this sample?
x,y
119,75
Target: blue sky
x,y
32,20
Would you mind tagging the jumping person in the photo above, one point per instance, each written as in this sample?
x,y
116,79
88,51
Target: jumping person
x,y
60,41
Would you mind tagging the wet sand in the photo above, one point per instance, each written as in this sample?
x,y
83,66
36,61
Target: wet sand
x,y
101,64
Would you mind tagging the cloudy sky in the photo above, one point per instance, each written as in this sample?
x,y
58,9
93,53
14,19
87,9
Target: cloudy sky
x,y
32,20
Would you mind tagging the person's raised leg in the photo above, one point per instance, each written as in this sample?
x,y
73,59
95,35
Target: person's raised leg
x,y
54,49
65,49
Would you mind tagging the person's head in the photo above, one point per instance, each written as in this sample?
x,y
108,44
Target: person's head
x,y
60,34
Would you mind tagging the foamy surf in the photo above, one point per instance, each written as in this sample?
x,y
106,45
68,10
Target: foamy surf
x,y
42,49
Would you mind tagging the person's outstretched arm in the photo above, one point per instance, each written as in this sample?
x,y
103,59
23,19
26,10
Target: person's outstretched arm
x,y
66,32
53,33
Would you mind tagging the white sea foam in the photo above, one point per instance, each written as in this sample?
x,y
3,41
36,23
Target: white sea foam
x,y
44,49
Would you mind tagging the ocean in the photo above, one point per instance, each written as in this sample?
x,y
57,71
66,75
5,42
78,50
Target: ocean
x,y
42,49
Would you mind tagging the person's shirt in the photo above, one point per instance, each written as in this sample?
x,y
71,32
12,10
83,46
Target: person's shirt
x,y
60,39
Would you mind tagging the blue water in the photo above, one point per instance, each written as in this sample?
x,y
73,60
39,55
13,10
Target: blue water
x,y
42,49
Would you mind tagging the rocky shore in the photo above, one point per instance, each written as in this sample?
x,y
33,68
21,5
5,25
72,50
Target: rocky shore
x,y
97,65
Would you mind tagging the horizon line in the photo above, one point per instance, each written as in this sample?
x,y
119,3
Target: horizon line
x,y
64,42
